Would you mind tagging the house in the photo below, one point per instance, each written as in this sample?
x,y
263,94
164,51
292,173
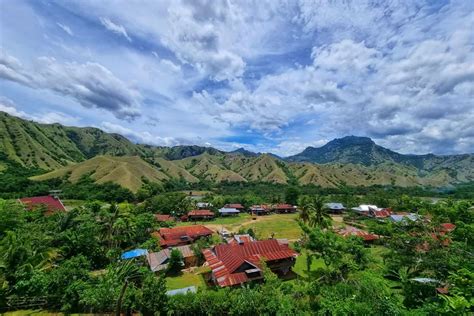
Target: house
x,y
227,211
238,206
182,235
164,218
446,227
240,239
404,217
199,215
364,209
260,209
284,208
349,231
380,213
203,205
234,264
51,204
135,253
335,208
158,261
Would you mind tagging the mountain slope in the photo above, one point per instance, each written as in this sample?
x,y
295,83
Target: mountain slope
x,y
128,172
350,160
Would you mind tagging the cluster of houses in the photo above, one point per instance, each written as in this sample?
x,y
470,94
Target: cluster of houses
x,y
239,259
203,212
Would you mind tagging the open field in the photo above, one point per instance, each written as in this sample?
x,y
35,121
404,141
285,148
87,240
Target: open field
x,y
185,279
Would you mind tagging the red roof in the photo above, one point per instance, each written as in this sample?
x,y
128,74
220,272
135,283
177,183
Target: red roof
x,y
283,207
353,231
227,258
447,227
200,213
181,235
50,203
164,218
382,213
237,206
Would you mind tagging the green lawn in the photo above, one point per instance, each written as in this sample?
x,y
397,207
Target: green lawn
x,y
184,280
300,265
281,225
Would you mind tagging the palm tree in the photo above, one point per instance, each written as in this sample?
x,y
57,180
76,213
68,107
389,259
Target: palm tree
x,y
306,208
320,216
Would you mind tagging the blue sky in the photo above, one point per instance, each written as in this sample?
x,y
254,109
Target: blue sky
x,y
269,76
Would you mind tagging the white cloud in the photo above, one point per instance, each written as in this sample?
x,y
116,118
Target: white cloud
x,y
115,28
65,28
90,84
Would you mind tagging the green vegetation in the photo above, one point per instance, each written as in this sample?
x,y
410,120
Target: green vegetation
x,y
69,262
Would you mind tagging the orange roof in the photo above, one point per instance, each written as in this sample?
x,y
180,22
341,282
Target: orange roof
x,y
163,218
447,227
283,207
227,258
235,205
181,235
353,231
200,213
50,203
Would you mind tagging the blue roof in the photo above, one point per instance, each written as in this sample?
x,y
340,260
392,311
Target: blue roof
x,y
228,210
189,289
335,206
134,253
400,218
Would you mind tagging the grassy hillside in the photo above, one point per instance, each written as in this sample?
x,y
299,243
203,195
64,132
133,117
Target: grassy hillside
x,y
354,161
128,172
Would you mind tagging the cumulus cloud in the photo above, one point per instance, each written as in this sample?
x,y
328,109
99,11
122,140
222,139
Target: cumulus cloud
x,y
115,28
291,73
90,84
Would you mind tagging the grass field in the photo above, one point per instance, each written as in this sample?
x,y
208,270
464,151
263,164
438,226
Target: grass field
x,y
300,265
278,225
184,280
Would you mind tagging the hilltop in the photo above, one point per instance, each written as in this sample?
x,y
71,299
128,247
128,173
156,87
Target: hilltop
x,y
357,161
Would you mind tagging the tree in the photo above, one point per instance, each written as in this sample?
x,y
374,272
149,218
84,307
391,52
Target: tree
x,y
175,263
313,212
154,299
291,195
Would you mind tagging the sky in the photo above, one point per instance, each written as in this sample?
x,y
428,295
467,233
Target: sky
x,y
266,75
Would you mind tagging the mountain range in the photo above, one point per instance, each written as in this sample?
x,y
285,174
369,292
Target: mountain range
x,y
63,151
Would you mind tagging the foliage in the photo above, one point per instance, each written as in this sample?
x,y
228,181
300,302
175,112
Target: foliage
x,y
176,262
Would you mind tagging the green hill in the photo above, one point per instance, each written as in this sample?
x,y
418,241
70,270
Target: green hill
x,y
128,172
355,161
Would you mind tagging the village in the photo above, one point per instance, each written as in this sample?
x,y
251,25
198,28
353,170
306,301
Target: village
x,y
234,245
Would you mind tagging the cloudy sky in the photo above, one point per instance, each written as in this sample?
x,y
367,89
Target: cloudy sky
x,y
265,75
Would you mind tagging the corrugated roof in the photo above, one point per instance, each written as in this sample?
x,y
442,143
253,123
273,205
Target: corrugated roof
x,y
283,207
335,206
228,210
200,213
227,258
234,205
353,231
182,234
158,260
163,218
50,203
